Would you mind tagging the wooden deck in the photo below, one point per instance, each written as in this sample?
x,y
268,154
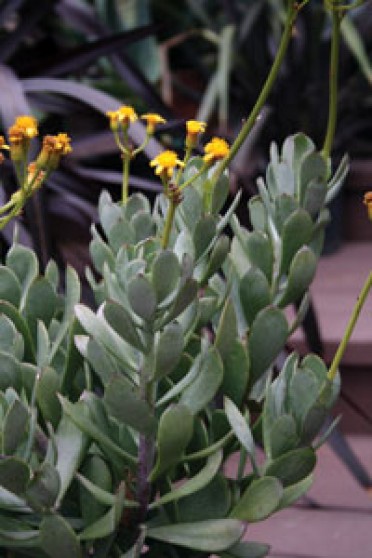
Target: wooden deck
x,y
335,521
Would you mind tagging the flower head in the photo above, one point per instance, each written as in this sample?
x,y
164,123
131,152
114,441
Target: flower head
x,y
215,150
165,163
122,116
152,119
368,202
54,147
194,128
24,128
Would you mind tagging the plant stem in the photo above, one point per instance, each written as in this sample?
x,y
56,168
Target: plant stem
x,y
251,120
146,454
168,223
350,327
333,83
125,183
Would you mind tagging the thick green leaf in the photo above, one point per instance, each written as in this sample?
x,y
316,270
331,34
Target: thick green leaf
x,y
204,233
41,303
57,538
227,330
14,315
48,385
44,488
100,252
293,466
207,536
235,372
193,485
11,341
283,435
98,473
239,425
168,350
303,392
292,493
257,214
142,297
285,205
71,445
314,197
254,291
185,296
14,475
102,363
211,502
267,338
106,525
165,274
100,330
198,394
260,252
174,433
297,232
123,402
14,427
23,262
121,321
10,287
216,258
10,372
313,167
260,500
301,273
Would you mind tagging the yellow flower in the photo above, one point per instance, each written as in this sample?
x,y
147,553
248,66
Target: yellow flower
x,y
24,127
123,115
368,202
194,128
53,149
152,120
216,149
165,163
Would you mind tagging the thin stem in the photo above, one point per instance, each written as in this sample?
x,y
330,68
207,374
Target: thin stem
x,y
350,327
271,78
125,183
333,83
193,177
168,223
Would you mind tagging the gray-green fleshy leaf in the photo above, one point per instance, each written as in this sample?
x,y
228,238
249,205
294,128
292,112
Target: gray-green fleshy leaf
x,y
293,466
297,232
254,291
267,338
260,252
58,539
260,500
121,321
123,402
165,274
174,433
208,536
204,387
10,286
301,273
168,350
142,297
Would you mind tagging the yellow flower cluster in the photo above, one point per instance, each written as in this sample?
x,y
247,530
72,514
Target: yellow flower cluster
x,y
166,162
